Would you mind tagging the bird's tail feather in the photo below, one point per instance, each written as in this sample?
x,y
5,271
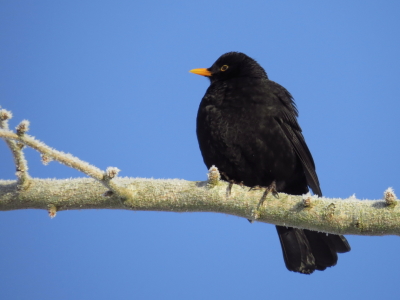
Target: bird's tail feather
x,y
305,251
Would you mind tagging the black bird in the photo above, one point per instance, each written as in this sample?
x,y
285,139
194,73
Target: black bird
x,y
247,127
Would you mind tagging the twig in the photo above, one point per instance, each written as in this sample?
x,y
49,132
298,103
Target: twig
x,y
65,158
16,149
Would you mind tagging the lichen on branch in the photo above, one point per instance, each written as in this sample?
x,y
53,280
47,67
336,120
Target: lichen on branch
x,y
106,190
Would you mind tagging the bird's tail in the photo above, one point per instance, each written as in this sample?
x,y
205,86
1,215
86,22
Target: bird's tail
x,y
305,251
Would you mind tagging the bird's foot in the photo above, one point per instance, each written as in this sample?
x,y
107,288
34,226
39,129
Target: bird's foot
x,y
269,189
255,188
231,183
229,189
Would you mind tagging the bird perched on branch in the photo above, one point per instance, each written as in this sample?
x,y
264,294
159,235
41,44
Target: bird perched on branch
x,y
247,127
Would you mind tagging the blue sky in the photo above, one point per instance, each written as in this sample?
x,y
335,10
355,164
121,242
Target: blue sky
x,y
108,81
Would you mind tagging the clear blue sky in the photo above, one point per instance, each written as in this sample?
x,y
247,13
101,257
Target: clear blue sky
x,y
108,81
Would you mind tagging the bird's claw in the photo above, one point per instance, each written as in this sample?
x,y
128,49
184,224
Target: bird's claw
x,y
255,188
270,189
231,183
229,189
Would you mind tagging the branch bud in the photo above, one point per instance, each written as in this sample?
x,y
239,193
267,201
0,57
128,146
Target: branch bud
x,y
213,176
22,127
390,197
307,202
46,159
52,210
5,115
112,172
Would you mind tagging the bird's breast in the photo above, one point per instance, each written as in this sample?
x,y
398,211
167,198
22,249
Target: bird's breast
x,y
238,132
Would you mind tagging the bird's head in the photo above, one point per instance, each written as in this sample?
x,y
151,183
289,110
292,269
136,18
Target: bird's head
x,y
232,65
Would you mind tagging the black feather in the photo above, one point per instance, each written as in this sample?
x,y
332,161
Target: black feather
x,y
247,127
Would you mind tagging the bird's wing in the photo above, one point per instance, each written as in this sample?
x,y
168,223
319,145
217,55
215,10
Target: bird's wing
x,y
287,118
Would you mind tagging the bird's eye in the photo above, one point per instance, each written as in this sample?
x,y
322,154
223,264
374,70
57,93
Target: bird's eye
x,y
224,68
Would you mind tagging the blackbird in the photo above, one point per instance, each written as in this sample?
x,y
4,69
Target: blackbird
x,y
247,127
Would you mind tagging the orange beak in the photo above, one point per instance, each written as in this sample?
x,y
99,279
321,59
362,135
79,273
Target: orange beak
x,y
203,72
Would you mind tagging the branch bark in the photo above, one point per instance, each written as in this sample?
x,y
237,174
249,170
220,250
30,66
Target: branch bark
x,y
105,190
349,216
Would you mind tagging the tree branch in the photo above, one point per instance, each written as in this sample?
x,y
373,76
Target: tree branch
x,y
105,190
349,216
16,150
